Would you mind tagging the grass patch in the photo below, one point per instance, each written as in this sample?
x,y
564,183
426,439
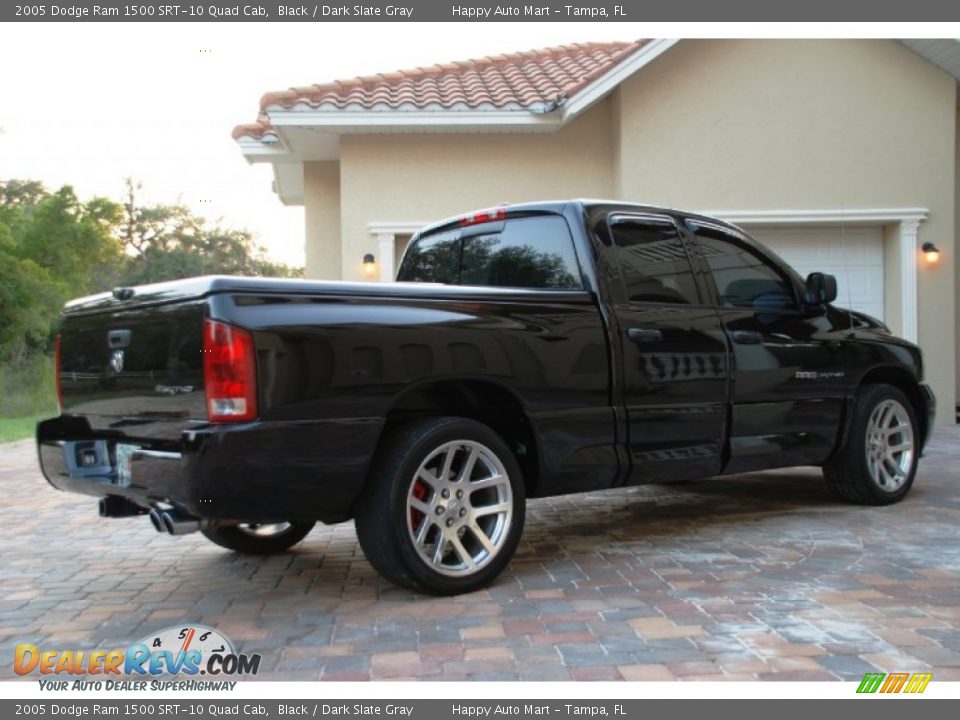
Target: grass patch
x,y
27,394
19,428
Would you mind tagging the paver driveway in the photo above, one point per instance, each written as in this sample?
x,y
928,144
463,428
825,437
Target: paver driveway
x,y
755,576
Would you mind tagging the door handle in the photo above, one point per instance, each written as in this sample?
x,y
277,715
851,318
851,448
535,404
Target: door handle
x,y
747,337
644,335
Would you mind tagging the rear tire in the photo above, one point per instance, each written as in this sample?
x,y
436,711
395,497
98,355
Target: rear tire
x,y
258,539
878,462
443,508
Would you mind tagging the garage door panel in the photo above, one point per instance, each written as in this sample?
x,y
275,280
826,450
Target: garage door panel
x,y
854,256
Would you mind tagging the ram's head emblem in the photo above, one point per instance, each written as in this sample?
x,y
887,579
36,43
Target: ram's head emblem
x,y
116,361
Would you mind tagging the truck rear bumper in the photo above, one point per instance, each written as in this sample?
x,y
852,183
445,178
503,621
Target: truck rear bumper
x,y
254,472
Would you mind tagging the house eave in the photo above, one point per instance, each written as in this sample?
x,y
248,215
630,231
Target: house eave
x,y
345,122
520,120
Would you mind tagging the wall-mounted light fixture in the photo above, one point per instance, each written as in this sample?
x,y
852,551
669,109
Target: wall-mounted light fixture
x,y
930,252
369,264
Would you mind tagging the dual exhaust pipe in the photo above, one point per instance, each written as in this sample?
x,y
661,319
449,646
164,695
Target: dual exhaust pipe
x,y
174,522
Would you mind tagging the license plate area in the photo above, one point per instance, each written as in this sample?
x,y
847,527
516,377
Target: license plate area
x,y
125,453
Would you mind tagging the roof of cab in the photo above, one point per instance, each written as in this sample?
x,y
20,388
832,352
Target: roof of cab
x,y
557,207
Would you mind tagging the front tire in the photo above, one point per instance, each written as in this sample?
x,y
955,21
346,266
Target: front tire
x,y
443,508
258,538
878,463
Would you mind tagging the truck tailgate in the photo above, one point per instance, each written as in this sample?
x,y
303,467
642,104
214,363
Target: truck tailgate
x,y
135,371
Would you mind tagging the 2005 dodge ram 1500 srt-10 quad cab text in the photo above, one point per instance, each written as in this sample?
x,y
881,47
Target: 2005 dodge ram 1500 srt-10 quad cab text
x,y
525,351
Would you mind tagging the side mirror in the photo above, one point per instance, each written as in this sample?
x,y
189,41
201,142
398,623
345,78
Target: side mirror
x,y
820,289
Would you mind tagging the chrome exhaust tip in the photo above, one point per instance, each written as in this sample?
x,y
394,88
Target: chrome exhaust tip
x,y
176,523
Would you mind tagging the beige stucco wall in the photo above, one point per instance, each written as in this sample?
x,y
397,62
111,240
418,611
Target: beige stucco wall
x,y
419,177
321,199
812,124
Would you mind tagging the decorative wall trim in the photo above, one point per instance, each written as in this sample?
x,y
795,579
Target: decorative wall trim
x,y
397,227
387,246
909,247
386,235
834,216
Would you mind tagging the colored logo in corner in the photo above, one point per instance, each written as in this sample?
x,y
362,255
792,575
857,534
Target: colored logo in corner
x,y
913,683
188,650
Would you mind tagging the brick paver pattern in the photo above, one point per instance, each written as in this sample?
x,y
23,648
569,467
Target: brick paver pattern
x,y
760,576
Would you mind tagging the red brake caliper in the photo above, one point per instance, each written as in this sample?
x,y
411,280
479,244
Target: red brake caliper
x,y
420,493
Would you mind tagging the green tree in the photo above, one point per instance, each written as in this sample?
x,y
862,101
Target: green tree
x,y
75,241
168,242
29,306
52,248
158,227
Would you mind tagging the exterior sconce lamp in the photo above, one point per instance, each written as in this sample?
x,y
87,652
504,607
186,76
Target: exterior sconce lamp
x,y
369,264
930,252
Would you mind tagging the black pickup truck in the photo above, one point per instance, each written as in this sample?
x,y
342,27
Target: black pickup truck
x,y
526,351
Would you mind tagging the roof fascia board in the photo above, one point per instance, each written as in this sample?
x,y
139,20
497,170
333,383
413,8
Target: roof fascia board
x,y
605,84
407,119
259,151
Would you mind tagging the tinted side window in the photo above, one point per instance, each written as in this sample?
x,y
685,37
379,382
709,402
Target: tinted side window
x,y
528,253
744,279
653,263
432,259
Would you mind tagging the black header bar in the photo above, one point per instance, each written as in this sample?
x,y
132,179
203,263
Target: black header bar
x,y
479,11
204,708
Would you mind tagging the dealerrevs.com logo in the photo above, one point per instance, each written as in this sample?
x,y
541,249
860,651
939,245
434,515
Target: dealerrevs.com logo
x,y
190,650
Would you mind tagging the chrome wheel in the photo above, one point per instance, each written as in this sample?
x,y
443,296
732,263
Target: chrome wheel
x,y
263,529
459,508
889,445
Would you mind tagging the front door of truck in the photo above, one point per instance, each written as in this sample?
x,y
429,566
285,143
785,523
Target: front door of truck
x,y
673,350
789,381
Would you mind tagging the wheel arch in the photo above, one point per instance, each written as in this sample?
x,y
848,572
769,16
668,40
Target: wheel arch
x,y
905,381
485,401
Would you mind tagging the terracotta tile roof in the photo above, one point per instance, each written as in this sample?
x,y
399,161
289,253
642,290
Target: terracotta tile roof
x,y
515,81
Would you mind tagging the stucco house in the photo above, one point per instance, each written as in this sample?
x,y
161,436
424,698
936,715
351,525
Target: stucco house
x,y
842,155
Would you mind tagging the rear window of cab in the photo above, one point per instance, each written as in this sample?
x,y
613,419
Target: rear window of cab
x,y
534,252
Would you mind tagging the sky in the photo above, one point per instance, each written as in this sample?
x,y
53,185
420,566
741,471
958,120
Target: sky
x,y
90,105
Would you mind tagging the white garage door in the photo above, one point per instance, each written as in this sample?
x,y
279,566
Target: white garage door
x,y
856,259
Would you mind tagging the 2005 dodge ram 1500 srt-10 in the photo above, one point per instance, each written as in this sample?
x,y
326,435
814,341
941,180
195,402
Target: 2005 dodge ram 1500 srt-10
x,y
526,351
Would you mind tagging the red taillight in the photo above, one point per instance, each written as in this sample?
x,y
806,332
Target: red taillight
x,y
229,373
483,216
57,366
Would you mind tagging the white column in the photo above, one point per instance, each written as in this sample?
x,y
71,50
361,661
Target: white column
x,y
388,243
909,231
